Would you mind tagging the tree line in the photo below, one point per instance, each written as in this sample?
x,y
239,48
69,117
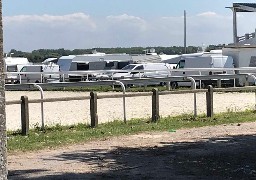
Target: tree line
x,y
40,55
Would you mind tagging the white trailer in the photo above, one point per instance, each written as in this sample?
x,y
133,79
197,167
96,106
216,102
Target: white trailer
x,y
33,73
92,62
11,65
203,61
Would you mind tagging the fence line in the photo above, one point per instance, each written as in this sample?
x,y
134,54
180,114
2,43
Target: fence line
x,y
105,96
93,102
13,102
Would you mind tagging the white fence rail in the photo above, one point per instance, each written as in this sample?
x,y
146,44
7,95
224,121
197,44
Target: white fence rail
x,y
86,75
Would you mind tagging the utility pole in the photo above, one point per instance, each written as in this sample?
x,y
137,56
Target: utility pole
x,y
3,137
185,33
234,26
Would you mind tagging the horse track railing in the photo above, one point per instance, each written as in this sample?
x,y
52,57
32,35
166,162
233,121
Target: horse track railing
x,y
24,102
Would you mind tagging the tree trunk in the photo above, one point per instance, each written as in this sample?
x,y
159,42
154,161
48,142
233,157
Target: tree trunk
x,y
3,138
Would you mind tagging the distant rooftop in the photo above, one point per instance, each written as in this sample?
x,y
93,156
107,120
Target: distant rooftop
x,y
245,7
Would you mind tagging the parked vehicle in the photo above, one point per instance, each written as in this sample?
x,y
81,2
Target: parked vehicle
x,y
26,77
92,62
203,61
11,65
143,70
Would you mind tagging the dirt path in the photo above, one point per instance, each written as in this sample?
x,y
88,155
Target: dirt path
x,y
219,152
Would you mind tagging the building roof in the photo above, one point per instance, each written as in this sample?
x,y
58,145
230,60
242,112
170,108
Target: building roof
x,y
106,57
146,58
245,7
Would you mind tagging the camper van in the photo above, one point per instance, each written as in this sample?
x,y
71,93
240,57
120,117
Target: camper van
x,y
203,61
143,70
36,76
91,62
11,65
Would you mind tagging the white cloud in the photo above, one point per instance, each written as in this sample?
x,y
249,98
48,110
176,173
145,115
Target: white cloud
x,y
50,19
207,14
29,32
125,21
78,30
125,17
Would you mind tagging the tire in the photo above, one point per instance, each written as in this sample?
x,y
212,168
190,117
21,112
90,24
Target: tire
x,y
17,82
203,85
129,85
174,85
163,83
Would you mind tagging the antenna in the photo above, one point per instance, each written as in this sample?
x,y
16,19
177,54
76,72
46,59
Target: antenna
x,y
185,33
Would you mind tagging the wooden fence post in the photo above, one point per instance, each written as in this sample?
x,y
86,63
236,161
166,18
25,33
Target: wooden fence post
x,y
155,105
93,109
24,116
209,101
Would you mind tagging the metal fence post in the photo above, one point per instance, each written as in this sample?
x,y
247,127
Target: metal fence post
x,y
255,100
24,116
246,81
155,105
93,109
193,86
219,83
42,104
124,106
209,101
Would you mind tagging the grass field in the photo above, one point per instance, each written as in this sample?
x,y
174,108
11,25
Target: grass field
x,y
56,136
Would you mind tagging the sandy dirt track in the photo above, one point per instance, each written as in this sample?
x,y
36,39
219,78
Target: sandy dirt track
x,y
217,152
73,112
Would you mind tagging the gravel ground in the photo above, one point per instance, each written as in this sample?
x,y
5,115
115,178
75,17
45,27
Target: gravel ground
x,y
73,112
217,152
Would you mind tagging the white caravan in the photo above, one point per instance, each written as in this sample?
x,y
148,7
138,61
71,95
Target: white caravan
x,y
203,61
11,65
33,73
91,62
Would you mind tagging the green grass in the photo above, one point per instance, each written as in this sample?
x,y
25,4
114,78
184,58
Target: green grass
x,y
58,135
105,89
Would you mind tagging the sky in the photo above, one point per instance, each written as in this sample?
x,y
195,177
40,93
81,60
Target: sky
x,y
80,24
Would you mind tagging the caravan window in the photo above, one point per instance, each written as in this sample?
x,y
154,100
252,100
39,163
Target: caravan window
x,y
11,68
253,61
181,64
82,66
110,64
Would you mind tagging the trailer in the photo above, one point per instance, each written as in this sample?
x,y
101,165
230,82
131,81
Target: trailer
x,y
92,62
38,73
207,61
11,65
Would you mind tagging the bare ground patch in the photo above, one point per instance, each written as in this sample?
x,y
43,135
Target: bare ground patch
x,y
217,152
